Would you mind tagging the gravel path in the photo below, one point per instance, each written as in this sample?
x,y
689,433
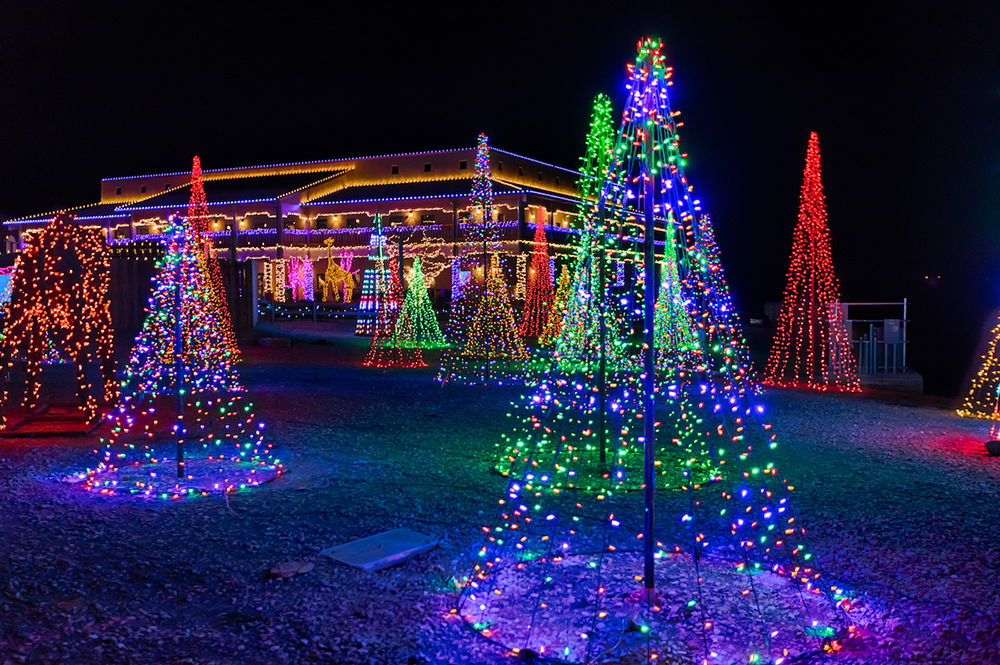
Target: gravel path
x,y
901,502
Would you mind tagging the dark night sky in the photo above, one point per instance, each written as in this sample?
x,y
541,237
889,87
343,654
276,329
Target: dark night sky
x,y
905,99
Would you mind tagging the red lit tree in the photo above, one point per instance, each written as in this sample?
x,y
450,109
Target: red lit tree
x,y
201,226
538,303
811,347
59,311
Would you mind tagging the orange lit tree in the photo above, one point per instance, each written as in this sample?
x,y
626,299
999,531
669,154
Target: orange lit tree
x,y
59,312
811,347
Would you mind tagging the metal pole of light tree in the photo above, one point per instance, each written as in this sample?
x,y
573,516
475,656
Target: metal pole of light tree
x,y
179,355
602,336
648,380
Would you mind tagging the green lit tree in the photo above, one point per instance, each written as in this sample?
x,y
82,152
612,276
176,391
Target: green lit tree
x,y
417,325
677,345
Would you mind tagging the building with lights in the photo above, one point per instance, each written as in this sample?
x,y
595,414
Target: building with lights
x,y
263,217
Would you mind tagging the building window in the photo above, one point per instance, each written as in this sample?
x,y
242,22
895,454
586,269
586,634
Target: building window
x,y
520,171
427,218
557,180
396,220
395,170
427,168
166,187
540,177
118,192
462,165
499,166
142,190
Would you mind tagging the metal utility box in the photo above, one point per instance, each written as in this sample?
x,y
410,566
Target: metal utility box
x,y
891,331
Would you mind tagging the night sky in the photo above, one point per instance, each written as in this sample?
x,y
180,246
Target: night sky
x,y
905,100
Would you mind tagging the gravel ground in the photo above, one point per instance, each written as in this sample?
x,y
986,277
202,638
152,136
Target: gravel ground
x,y
900,500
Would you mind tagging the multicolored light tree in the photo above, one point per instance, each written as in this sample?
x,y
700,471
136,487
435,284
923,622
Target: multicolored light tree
x,y
482,236
568,575
554,324
811,347
386,297
375,282
201,227
417,325
492,351
183,426
59,312
539,300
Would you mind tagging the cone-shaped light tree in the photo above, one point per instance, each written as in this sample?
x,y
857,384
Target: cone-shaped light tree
x,y
183,426
385,306
538,302
677,345
592,331
376,284
417,325
59,312
482,236
554,324
811,347
201,228
560,573
492,351
983,398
